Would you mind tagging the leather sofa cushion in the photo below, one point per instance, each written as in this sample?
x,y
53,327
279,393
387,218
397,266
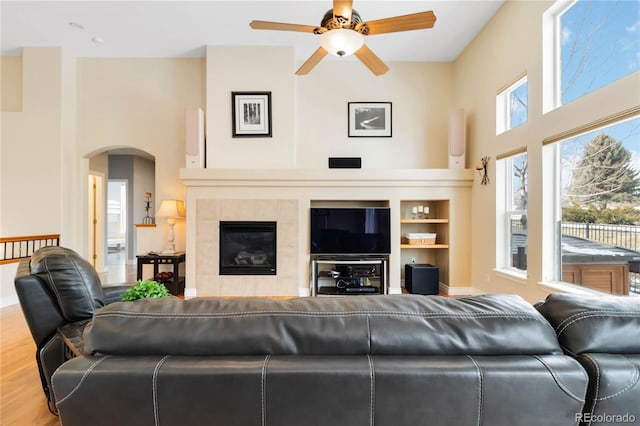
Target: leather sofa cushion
x,y
71,279
402,325
594,323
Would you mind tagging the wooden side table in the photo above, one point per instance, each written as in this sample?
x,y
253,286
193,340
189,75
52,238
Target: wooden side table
x,y
176,284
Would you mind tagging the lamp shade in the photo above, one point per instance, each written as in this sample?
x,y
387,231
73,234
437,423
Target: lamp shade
x,y
341,41
171,208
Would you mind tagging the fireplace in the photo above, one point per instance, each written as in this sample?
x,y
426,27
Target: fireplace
x,y
247,248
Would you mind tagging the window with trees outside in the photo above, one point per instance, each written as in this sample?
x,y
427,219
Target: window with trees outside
x,y
512,106
599,43
598,182
515,170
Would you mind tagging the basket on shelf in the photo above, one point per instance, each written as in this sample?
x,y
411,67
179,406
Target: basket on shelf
x,y
419,238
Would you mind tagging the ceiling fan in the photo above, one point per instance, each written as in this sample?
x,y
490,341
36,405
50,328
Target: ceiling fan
x,y
342,33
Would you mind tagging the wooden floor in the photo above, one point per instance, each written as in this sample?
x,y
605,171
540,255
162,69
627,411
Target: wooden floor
x,y
23,402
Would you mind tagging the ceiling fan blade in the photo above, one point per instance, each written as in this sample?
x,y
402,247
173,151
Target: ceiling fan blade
x,y
371,60
343,8
414,21
312,61
279,26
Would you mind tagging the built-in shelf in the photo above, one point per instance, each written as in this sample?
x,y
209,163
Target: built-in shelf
x,y
424,246
437,223
424,220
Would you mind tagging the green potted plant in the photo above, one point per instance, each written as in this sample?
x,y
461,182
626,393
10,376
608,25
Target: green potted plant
x,y
145,288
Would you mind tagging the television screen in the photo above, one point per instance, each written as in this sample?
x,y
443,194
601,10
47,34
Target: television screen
x,y
350,231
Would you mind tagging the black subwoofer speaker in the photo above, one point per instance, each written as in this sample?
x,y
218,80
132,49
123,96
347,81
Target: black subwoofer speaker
x,y
421,278
345,162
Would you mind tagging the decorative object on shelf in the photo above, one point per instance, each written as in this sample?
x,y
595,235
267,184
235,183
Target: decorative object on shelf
x,y
419,238
482,168
148,220
251,114
420,212
172,210
369,119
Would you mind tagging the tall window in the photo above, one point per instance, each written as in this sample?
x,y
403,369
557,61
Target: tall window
x,y
599,43
598,223
512,106
514,223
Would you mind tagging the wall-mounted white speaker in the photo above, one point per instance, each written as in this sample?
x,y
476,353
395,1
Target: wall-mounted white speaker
x,y
457,139
195,138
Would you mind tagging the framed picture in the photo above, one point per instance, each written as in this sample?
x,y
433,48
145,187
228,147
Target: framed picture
x,y
251,114
369,119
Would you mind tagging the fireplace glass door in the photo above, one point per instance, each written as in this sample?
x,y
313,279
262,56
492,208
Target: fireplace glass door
x,y
247,248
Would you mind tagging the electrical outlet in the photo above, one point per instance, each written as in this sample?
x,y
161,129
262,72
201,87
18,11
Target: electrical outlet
x,y
413,259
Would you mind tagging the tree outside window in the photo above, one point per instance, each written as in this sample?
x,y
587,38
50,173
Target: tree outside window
x,y
600,204
513,171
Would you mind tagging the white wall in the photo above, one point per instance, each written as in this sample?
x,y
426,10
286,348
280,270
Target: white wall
x,y
510,44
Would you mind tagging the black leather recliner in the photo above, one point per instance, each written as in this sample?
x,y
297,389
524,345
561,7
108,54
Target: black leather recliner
x,y
56,287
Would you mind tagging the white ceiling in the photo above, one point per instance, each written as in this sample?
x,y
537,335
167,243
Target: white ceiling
x,y
158,29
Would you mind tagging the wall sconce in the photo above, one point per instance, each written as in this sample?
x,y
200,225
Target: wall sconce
x,y
172,210
482,168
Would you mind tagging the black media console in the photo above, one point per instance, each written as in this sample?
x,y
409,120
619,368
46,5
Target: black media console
x,y
348,276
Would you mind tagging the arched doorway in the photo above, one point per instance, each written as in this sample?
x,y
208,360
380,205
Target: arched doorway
x,y
119,181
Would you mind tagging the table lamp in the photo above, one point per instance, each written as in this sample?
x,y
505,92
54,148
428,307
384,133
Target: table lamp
x,y
172,210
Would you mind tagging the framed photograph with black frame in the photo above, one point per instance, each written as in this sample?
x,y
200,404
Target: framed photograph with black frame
x,y
251,114
369,119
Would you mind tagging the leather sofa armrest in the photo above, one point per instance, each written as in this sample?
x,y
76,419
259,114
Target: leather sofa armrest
x,y
594,324
38,305
113,293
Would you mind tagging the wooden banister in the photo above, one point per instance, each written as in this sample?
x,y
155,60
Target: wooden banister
x,y
12,249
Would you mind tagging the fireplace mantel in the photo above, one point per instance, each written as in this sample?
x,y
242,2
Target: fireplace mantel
x,y
285,196
328,177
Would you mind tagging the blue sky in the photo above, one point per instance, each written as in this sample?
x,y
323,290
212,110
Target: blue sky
x,y
601,44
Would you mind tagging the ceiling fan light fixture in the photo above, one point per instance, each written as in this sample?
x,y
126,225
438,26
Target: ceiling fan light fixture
x,y
341,42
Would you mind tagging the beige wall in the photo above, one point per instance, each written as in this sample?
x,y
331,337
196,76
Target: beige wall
x,y
509,45
33,155
310,112
141,103
421,97
259,69
11,83
73,109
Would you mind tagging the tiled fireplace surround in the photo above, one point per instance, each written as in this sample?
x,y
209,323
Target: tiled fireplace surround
x,y
285,196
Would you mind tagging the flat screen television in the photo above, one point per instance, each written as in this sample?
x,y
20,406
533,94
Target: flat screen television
x,y
351,231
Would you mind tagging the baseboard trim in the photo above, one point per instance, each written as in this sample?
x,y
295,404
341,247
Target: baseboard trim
x,y
190,292
459,291
8,301
304,292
